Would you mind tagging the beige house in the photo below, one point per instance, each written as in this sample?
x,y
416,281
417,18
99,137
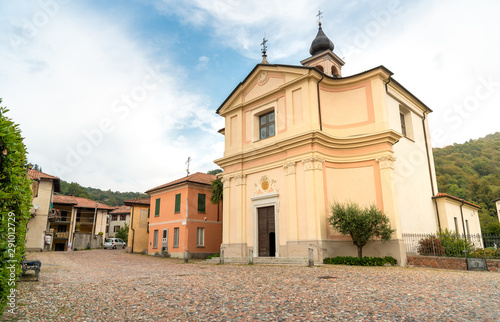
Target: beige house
x,y
43,187
299,137
458,215
497,204
79,221
117,219
138,234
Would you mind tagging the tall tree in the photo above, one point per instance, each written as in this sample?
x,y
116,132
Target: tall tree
x,y
15,204
362,224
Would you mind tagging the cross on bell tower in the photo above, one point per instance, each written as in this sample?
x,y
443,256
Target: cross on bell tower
x,y
264,51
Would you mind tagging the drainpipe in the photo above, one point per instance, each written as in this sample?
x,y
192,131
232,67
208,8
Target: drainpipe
x,y
319,103
430,170
462,214
132,228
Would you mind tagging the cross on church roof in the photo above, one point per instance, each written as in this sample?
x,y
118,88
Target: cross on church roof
x,y
319,15
264,47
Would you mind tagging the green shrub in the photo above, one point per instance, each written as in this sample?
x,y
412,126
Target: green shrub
x,y
357,261
454,246
213,256
489,252
431,246
15,204
445,243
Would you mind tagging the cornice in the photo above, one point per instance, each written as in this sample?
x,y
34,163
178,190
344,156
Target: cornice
x,y
310,138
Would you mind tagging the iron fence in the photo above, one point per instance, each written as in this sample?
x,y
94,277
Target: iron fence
x,y
450,244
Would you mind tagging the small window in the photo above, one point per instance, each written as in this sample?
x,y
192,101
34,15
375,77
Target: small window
x,y
320,68
155,239
114,217
61,229
107,229
122,217
178,203
467,227
405,120
403,123
176,237
157,207
115,228
200,237
267,125
201,202
456,224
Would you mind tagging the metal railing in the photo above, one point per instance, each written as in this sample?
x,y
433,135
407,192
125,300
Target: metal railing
x,y
450,244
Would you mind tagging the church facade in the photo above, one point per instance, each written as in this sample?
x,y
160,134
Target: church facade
x,y
298,138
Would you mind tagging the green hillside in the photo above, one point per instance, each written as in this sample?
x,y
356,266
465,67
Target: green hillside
x,y
107,197
471,171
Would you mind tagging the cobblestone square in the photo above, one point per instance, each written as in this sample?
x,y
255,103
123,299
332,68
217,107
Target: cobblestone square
x,y
112,285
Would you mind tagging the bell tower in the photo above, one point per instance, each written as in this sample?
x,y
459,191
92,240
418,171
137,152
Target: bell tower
x,y
322,55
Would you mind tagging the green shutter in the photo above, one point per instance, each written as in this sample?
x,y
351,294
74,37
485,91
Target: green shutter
x,y
157,207
201,202
178,203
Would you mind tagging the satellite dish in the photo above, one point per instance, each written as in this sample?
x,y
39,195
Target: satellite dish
x,y
36,206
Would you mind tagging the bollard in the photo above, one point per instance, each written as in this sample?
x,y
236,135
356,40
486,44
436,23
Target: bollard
x,y
311,258
222,256
250,256
186,256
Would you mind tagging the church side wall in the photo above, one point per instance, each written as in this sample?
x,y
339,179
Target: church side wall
x,y
412,179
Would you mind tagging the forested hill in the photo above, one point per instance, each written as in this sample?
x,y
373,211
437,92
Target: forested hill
x,y
471,171
107,197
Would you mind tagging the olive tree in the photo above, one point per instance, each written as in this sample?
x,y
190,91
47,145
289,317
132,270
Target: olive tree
x,y
362,224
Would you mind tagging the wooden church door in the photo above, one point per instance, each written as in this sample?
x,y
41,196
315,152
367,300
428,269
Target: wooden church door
x,y
267,237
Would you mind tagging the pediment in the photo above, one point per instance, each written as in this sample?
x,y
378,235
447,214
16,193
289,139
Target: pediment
x,y
262,79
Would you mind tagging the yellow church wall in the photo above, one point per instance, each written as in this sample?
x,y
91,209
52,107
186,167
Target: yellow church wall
x,y
347,106
411,175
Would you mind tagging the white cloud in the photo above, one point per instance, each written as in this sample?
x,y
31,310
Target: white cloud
x,y
82,66
82,70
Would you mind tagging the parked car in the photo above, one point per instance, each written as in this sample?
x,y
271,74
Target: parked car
x,y
114,243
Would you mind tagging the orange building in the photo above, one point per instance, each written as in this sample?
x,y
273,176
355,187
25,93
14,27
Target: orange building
x,y
182,217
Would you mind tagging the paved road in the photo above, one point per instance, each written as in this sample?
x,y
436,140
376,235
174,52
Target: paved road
x,y
111,285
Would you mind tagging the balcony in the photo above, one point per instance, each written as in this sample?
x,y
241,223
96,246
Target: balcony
x,y
61,235
59,219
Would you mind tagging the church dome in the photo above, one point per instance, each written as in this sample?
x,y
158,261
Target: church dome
x,y
320,43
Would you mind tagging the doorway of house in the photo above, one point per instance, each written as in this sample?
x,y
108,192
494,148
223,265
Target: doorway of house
x,y
267,229
59,247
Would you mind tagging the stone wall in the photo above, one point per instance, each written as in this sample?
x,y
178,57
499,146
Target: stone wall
x,y
447,262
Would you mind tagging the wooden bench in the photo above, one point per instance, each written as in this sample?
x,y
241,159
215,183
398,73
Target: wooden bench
x,y
33,265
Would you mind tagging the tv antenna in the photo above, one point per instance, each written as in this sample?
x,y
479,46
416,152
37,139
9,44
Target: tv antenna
x,y
187,163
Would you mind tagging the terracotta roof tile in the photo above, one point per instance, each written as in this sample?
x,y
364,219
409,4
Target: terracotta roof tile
x,y
79,202
121,210
35,175
143,201
445,195
197,177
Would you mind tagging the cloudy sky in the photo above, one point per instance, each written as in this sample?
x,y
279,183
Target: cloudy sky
x,y
118,94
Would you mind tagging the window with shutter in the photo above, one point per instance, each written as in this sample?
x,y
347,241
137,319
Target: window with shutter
x,y
177,203
157,207
155,240
176,237
201,202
